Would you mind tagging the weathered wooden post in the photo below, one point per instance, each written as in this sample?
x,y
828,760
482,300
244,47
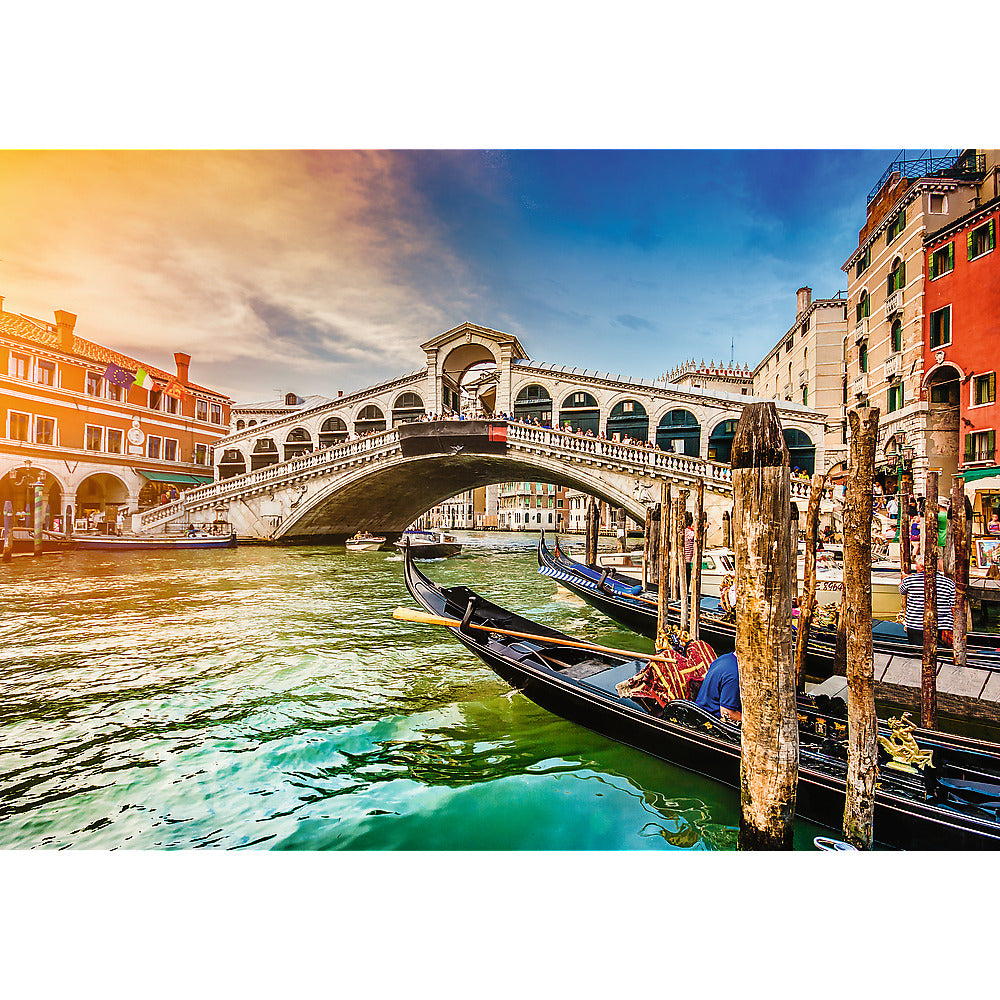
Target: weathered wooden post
x,y
593,526
38,516
727,535
793,569
929,542
700,524
647,526
679,531
862,724
622,535
769,761
8,531
808,603
663,568
905,550
960,513
666,542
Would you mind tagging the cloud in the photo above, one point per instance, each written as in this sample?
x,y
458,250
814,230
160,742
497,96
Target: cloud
x,y
634,322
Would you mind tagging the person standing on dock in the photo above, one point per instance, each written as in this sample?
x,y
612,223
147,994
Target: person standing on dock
x,y
913,588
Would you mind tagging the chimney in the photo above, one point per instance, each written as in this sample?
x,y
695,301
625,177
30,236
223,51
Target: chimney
x,y
183,362
66,322
1,303
802,299
340,392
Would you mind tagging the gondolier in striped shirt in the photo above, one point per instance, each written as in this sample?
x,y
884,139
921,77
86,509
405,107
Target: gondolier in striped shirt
x,y
913,587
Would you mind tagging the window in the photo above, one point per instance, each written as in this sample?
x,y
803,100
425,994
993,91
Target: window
x,y
45,373
169,450
897,277
115,392
170,404
201,409
980,446
805,325
897,225
896,336
94,439
94,384
114,441
984,389
895,397
981,240
216,413
45,430
155,395
805,395
17,365
942,260
940,328
938,204
201,454
863,356
864,261
19,423
153,446
864,307
788,345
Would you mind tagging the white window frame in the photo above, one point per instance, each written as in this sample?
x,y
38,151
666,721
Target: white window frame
x,y
177,449
170,404
149,446
204,459
121,440
951,329
92,427
975,229
55,431
215,410
112,388
100,385
973,405
19,413
930,203
41,366
26,358
200,407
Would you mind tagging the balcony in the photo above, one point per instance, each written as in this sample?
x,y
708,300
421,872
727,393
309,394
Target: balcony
x,y
859,387
803,378
894,303
951,164
893,363
861,330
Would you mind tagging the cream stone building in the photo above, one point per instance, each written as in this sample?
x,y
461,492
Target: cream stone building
x,y
806,366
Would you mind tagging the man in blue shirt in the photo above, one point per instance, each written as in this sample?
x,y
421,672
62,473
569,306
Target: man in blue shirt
x,y
719,693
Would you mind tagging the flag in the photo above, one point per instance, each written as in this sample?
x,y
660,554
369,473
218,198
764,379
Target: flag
x,y
175,389
119,376
144,380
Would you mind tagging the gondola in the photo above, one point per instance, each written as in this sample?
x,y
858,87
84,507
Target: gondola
x,y
625,602
952,804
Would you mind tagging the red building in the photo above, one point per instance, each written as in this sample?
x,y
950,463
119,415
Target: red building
x,y
961,334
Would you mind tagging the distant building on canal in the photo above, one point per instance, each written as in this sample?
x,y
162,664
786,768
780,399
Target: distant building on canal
x,y
96,447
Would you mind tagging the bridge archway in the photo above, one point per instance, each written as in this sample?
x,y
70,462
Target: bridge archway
x,y
720,441
407,408
264,453
679,432
332,431
628,417
581,411
369,419
298,442
533,402
232,463
103,493
801,450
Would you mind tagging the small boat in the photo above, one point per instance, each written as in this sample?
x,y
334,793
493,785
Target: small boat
x,y
22,540
153,543
952,803
364,541
429,544
623,600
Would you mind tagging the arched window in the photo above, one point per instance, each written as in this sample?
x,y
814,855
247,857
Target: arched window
x,y
679,432
897,276
581,411
720,444
801,450
533,403
897,336
253,423
264,454
407,408
864,306
370,419
333,431
291,399
232,464
240,424
628,418
298,442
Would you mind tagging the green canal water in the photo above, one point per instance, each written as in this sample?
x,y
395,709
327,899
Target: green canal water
x,y
265,698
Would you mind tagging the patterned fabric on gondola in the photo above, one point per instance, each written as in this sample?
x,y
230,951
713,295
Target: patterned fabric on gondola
x,y
669,679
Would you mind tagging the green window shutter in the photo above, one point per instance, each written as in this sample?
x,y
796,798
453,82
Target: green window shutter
x,y
968,245
990,443
902,274
934,261
951,255
992,234
992,390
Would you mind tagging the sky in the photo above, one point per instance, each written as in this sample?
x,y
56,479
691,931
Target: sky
x,y
321,270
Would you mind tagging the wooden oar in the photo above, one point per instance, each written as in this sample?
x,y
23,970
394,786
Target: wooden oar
x,y
423,618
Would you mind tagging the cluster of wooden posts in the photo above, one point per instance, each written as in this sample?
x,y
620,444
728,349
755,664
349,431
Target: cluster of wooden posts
x,y
40,511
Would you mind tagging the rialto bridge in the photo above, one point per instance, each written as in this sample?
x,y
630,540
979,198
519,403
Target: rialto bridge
x,y
348,463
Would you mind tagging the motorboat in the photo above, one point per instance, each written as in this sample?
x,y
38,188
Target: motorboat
x,y
364,541
429,544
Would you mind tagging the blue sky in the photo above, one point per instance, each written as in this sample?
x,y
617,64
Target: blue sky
x,y
285,270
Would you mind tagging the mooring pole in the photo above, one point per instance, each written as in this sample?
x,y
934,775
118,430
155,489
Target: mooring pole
x,y
960,514
862,724
928,668
662,568
593,526
8,531
793,568
666,542
679,533
622,535
808,603
646,529
39,515
769,761
700,524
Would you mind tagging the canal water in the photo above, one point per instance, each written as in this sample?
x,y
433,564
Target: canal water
x,y
265,698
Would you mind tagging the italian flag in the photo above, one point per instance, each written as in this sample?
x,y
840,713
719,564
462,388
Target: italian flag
x,y
143,379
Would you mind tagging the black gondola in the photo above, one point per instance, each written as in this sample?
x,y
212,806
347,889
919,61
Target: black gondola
x,y
934,809
623,601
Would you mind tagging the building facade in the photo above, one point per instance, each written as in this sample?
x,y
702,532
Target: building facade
x,y
887,311
961,341
97,448
531,507
806,366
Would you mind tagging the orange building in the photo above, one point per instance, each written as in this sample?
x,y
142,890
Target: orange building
x,y
98,449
